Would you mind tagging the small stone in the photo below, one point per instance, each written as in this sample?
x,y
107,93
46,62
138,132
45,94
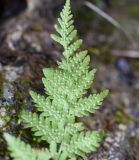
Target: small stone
x,y
2,112
122,127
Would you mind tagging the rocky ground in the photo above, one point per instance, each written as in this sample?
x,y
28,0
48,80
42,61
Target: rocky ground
x,y
26,48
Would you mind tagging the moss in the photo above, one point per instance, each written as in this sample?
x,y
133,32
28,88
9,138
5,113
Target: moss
x,y
122,117
12,112
94,51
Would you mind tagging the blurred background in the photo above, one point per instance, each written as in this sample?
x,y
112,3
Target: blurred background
x,y
110,30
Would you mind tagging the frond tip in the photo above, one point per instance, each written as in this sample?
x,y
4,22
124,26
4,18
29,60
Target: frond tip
x,y
67,35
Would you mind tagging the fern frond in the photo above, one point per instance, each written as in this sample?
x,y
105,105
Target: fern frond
x,y
21,151
65,88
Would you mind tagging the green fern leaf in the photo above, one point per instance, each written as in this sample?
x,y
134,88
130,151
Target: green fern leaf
x,y
85,106
83,143
47,129
65,88
22,151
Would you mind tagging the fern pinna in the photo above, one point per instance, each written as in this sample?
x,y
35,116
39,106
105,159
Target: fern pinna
x,y
65,88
